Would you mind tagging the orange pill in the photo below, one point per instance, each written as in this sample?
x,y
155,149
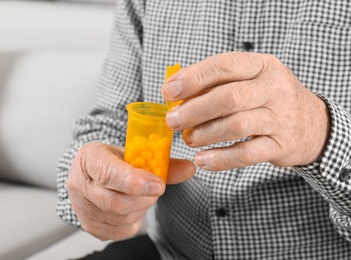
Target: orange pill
x,y
137,138
158,155
164,144
151,162
146,154
134,149
140,145
162,162
134,164
152,145
128,157
157,171
154,137
139,162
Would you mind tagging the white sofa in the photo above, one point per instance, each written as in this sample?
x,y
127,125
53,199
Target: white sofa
x,y
50,56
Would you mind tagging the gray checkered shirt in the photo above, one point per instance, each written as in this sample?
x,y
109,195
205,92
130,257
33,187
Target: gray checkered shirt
x,y
261,211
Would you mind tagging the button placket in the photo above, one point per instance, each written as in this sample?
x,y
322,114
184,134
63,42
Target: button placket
x,y
248,31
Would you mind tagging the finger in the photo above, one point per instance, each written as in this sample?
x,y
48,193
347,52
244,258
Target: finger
x,y
113,202
98,215
219,102
105,231
213,71
106,167
261,121
241,154
180,170
122,219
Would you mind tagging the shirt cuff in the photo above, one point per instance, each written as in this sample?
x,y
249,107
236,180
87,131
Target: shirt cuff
x,y
330,175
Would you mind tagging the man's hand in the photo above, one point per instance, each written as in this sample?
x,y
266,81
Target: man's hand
x,y
235,95
109,196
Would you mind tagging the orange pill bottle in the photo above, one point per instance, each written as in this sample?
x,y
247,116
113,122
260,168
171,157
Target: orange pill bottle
x,y
148,140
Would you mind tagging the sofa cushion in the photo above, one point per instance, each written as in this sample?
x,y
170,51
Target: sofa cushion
x,y
107,2
80,244
28,221
48,25
75,246
50,56
41,94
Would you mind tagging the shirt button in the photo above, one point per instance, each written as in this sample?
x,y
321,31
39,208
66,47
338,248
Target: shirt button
x,y
248,46
221,212
344,175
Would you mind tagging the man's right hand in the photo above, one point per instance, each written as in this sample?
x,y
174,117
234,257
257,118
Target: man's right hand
x,y
111,197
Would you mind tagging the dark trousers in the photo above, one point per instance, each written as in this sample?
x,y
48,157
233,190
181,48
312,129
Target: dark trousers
x,y
137,248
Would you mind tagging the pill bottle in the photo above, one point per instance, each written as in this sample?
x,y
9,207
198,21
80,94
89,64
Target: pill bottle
x,y
148,140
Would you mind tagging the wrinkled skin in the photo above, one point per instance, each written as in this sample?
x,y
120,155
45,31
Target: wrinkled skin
x,y
235,95
226,97
109,196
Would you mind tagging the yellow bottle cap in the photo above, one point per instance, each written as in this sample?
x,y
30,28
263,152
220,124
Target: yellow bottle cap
x,y
169,72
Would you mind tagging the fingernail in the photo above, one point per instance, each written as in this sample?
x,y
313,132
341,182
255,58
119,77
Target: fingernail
x,y
200,160
173,88
188,136
172,119
153,188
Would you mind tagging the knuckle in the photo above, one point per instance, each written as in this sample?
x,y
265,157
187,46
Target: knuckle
x,y
220,65
130,181
227,100
233,98
134,229
131,184
84,154
231,59
270,64
103,176
228,62
271,59
95,232
220,162
200,76
190,112
126,231
86,149
245,156
241,126
81,158
216,68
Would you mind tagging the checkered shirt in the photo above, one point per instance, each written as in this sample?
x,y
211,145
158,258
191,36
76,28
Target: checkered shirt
x,y
261,211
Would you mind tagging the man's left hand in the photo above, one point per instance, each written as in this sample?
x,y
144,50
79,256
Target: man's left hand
x,y
234,95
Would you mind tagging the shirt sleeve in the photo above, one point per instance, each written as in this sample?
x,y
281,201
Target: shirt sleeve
x,y
119,84
331,174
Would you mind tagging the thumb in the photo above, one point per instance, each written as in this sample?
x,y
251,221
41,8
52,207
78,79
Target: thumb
x,y
180,170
